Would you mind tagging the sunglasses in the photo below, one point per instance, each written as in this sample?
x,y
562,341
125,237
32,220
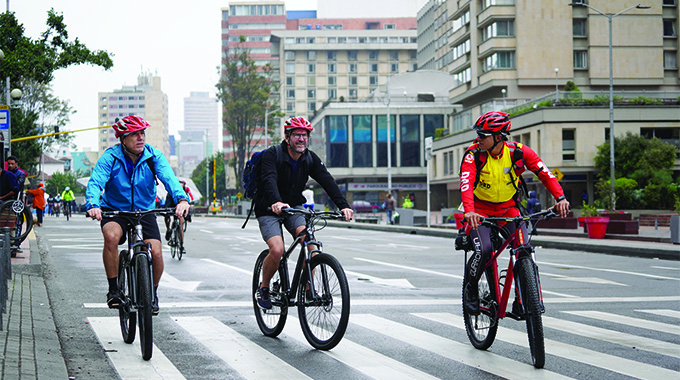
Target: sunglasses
x,y
483,135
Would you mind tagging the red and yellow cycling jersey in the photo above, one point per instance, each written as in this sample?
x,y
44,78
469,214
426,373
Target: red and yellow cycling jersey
x,y
496,182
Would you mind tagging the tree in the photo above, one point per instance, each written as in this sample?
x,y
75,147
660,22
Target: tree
x,y
198,176
245,90
60,181
30,64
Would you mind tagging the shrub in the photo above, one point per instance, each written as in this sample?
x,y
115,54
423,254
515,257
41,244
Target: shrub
x,y
588,210
643,100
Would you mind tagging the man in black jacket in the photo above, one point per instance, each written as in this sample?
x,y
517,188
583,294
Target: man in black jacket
x,y
282,180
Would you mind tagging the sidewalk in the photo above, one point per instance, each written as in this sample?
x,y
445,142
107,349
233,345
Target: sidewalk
x,y
29,340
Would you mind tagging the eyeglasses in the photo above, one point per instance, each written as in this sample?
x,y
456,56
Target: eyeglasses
x,y
483,135
302,136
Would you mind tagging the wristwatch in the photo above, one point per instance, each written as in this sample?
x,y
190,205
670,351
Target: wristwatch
x,y
558,199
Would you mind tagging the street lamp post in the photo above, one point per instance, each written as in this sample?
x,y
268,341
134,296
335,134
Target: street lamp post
x,y
9,97
557,88
609,17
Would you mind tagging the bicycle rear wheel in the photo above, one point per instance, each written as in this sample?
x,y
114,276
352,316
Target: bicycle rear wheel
x,y
324,318
178,245
481,329
271,322
144,303
174,241
532,307
128,318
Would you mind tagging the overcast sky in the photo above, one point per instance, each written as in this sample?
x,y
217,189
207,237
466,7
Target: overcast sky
x,y
177,40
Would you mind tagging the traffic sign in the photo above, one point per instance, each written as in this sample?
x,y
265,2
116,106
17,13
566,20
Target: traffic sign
x,y
239,195
4,118
558,174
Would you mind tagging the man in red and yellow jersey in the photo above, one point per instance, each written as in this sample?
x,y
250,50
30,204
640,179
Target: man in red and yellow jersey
x,y
489,181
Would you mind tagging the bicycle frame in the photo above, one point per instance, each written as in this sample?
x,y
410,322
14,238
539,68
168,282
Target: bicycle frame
x,y
302,263
136,246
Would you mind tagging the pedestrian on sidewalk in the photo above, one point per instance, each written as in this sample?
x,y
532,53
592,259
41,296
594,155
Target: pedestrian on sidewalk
x,y
389,208
38,202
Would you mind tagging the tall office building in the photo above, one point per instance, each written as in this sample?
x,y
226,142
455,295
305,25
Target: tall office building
x,y
201,113
145,99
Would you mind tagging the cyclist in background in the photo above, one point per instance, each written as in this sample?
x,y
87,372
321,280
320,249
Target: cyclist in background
x,y
282,186
127,173
490,162
169,202
68,198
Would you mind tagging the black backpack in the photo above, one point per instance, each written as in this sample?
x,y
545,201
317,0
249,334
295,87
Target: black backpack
x,y
251,176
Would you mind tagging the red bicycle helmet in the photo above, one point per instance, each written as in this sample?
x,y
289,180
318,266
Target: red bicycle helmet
x,y
492,123
128,125
298,123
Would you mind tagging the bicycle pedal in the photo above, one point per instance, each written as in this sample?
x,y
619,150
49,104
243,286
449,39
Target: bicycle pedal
x,y
514,316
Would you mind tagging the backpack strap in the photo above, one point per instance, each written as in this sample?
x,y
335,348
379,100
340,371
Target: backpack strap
x,y
152,166
279,159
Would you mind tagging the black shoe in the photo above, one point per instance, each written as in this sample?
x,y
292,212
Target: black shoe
x,y
471,299
167,235
517,309
183,251
309,296
156,309
263,298
114,299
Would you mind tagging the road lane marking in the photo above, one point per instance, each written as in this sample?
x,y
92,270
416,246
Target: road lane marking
x,y
669,268
628,321
207,231
172,282
360,358
395,282
612,336
587,280
609,270
409,268
452,350
583,355
127,358
246,357
662,312
248,272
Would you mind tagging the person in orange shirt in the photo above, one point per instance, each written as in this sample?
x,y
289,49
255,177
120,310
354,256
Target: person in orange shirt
x,y
38,202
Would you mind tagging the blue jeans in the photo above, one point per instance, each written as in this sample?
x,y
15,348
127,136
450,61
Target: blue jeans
x,y
390,212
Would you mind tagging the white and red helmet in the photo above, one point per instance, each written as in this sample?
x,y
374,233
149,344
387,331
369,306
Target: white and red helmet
x,y
297,123
129,124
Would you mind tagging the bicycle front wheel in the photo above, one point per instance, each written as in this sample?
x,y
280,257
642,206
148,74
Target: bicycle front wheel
x,y
174,241
324,315
532,307
272,321
179,245
481,329
128,318
144,303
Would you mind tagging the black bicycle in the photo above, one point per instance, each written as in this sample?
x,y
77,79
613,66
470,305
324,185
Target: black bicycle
x,y
135,281
15,215
319,288
176,246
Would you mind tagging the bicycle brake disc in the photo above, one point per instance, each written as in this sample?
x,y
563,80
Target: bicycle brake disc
x,y
18,206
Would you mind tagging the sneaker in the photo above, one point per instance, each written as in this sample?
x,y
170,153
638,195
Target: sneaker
x,y
517,308
263,298
167,235
114,299
471,299
156,309
183,251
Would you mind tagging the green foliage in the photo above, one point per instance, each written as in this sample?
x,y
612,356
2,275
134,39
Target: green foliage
x,y
245,90
573,93
588,210
570,86
439,133
662,197
625,193
198,176
643,100
636,157
30,64
60,181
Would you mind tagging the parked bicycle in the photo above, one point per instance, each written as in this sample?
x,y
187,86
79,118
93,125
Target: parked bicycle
x,y
15,215
495,286
318,288
135,281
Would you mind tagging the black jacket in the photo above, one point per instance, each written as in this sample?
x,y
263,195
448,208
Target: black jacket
x,y
282,184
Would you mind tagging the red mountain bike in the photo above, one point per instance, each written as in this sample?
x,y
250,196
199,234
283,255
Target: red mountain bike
x,y
495,286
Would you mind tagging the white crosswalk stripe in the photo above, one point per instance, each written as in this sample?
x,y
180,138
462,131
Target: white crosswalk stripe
x,y
127,358
246,356
609,362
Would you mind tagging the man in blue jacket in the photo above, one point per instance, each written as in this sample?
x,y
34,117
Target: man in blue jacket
x,y
126,173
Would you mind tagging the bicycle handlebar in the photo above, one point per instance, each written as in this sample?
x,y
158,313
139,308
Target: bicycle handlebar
x,y
546,214
313,213
138,213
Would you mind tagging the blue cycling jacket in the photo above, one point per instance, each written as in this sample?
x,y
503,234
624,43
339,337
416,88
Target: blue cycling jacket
x,y
130,191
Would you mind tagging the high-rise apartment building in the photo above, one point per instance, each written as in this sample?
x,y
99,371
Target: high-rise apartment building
x,y
145,100
505,53
340,59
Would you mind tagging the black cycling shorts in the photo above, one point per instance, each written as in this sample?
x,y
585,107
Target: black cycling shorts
x,y
149,226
